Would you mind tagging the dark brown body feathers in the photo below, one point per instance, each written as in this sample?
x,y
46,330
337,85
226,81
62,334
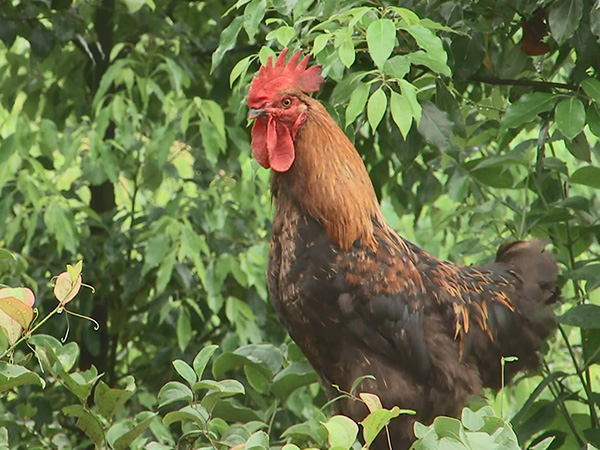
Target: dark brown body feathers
x,y
360,300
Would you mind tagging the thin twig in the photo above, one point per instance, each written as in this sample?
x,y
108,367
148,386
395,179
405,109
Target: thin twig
x,y
530,83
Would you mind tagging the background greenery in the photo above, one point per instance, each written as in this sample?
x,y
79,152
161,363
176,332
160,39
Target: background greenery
x,y
123,142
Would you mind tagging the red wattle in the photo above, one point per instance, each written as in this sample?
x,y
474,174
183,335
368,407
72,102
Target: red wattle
x,y
259,142
272,144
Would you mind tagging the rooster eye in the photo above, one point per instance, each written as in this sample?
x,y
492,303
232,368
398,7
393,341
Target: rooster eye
x,y
286,102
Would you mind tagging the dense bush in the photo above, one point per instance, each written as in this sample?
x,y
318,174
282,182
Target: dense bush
x,y
123,142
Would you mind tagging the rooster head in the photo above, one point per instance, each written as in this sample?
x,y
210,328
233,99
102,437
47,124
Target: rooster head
x,y
276,106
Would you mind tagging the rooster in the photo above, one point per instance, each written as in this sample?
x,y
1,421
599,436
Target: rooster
x,y
359,299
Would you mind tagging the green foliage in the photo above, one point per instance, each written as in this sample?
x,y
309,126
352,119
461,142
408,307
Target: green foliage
x,y
123,142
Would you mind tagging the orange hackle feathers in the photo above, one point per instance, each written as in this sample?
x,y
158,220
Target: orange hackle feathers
x,y
275,77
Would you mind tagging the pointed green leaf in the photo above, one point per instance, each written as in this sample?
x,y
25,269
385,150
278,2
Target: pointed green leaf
x,y
174,391
253,15
588,176
375,421
593,118
401,113
570,117
12,376
381,39
376,108
202,358
186,372
345,47
320,42
122,434
87,423
240,69
357,103
227,41
591,86
527,108
409,91
195,413
564,18
110,400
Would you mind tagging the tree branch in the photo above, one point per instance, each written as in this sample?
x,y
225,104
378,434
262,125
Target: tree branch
x,y
531,83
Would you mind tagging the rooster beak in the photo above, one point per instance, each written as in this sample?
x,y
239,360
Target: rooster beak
x,y
256,113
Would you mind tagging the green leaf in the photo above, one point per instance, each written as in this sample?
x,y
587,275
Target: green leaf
x,y
357,103
195,413
8,31
471,420
259,440
425,59
186,372
345,47
174,391
447,427
284,35
586,316
240,69
342,431
295,375
80,383
320,42
122,434
591,86
570,117
376,420
579,147
593,118
400,110
564,18
12,376
410,93
527,108
184,329
109,400
381,39
253,15
202,358
435,126
87,423
41,40
227,41
134,6
257,379
588,176
397,66
376,108
434,56
5,255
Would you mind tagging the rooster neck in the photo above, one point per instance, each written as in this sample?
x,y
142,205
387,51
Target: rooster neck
x,y
328,181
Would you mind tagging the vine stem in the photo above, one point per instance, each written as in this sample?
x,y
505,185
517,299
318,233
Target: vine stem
x,y
27,334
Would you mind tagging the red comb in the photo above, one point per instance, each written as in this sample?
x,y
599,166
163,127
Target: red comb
x,y
274,77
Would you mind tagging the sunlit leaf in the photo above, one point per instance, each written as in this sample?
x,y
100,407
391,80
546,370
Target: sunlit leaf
x,y
65,290
376,108
342,431
401,113
381,39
